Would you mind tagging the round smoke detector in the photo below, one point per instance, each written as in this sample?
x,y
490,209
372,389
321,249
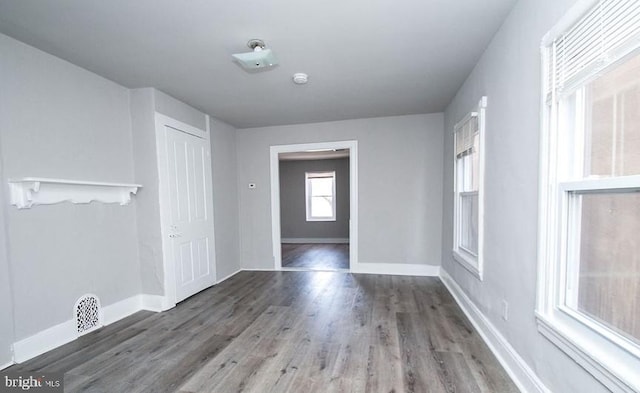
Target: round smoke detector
x,y
300,78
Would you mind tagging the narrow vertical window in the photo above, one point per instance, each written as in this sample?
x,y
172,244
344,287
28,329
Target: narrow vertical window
x,y
320,195
468,134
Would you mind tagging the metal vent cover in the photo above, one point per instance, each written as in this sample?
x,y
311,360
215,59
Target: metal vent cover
x,y
87,314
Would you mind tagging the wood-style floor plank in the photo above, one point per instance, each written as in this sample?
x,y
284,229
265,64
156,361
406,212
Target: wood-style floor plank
x,y
289,332
319,256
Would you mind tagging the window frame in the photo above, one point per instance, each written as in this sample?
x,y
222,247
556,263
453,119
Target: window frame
x,y
474,263
609,357
308,176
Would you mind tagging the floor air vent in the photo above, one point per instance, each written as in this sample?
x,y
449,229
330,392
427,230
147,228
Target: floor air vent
x,y
87,314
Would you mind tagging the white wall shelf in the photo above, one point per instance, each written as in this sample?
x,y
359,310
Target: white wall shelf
x,y
31,191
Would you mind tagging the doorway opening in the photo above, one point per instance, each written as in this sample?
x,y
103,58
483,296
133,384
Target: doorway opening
x,y
314,206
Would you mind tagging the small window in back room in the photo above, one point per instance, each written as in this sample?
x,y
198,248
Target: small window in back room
x,y
320,196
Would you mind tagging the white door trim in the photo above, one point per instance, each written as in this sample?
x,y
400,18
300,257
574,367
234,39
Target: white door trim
x,y
353,195
170,294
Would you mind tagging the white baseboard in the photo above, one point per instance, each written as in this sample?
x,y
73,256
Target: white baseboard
x,y
392,269
118,310
314,240
312,269
396,269
44,341
257,269
3,366
228,276
155,303
65,332
523,376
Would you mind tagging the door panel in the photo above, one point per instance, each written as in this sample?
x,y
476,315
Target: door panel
x,y
180,189
199,203
203,255
191,227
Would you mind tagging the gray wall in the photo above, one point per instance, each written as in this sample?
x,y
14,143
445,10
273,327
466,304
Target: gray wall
x,y
148,203
58,120
61,121
178,110
509,74
400,192
144,103
6,301
293,210
225,197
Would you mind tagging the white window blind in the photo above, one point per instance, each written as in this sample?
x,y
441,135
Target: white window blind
x,y
320,175
608,32
466,130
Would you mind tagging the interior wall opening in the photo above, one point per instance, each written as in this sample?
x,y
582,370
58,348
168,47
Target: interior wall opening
x,y
314,209
314,193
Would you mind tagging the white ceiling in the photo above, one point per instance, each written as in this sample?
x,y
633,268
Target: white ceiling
x,y
365,58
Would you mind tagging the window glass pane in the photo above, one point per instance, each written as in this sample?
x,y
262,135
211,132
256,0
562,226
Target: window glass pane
x,y
321,207
475,164
609,267
469,222
631,143
613,122
598,159
468,171
322,186
460,174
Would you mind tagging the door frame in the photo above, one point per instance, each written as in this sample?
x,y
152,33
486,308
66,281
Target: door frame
x,y
168,262
352,145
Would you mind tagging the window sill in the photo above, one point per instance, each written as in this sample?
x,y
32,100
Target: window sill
x,y
468,263
320,219
588,353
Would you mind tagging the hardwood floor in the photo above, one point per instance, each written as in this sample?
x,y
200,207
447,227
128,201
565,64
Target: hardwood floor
x,y
316,256
288,332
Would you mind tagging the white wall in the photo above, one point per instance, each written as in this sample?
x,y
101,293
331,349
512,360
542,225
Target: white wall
x,y
400,186
58,120
509,74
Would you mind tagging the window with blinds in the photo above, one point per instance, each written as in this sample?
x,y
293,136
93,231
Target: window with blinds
x,y
607,33
466,134
468,195
589,303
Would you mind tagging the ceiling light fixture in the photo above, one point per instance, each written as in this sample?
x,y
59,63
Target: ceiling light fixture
x,y
259,58
300,78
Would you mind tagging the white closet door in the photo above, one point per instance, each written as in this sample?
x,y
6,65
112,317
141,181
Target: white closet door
x,y
191,219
